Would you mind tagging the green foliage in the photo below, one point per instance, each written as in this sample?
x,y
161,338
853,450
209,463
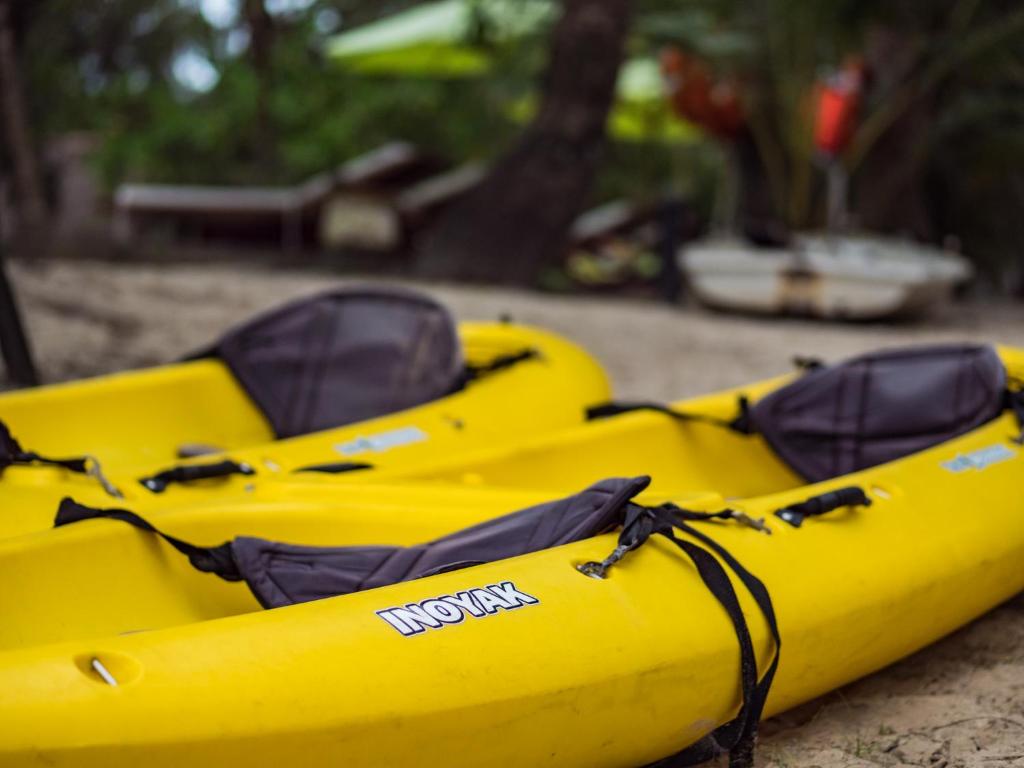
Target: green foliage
x,y
109,66
84,59
959,63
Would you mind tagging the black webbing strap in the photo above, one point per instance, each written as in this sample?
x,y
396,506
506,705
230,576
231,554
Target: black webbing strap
x,y
217,560
500,363
1015,403
850,496
738,736
740,423
12,453
335,467
741,732
186,473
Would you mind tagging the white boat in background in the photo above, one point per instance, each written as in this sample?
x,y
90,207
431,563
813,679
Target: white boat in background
x,y
855,277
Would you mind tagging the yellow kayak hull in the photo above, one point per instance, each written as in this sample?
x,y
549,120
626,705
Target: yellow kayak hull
x,y
614,672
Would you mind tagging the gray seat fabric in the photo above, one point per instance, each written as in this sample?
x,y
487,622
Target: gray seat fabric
x,y
880,406
281,574
344,356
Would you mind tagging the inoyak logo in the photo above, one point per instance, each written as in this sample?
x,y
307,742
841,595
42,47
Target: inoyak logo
x,y
438,612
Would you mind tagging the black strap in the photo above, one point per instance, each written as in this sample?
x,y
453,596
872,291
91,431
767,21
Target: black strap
x,y
740,423
12,453
1015,403
738,736
186,473
807,363
217,560
335,468
500,363
850,496
741,732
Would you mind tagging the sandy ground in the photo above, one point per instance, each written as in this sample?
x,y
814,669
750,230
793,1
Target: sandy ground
x,y
958,703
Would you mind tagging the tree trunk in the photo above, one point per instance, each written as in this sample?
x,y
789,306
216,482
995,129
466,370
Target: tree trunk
x,y
261,42
516,222
891,181
14,346
31,205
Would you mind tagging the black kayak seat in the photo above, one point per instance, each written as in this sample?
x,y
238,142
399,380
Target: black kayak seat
x,y
868,410
879,407
340,357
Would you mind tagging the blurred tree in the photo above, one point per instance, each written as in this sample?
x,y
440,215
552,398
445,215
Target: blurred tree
x,y
931,62
179,96
515,223
261,42
110,68
20,149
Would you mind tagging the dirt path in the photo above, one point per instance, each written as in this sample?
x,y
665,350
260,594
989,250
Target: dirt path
x,y
958,703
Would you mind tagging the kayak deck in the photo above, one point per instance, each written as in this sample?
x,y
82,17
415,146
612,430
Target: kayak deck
x,y
580,671
609,673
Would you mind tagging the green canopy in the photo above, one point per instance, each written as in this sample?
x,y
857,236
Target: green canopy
x,y
456,38
449,38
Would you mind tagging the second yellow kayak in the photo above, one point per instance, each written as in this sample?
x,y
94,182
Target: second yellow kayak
x,y
147,438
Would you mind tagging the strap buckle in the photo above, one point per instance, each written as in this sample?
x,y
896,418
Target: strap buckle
x,y
593,569
757,523
95,471
597,570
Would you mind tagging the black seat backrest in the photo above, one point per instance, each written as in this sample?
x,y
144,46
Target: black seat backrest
x,y
880,406
281,574
344,356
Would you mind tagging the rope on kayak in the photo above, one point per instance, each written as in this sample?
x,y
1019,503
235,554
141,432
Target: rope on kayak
x,y
12,454
186,473
738,737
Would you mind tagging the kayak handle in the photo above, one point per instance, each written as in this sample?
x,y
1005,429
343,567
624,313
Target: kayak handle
x,y
186,473
850,496
335,468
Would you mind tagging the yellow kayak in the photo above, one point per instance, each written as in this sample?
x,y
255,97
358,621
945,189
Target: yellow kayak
x,y
600,646
139,437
